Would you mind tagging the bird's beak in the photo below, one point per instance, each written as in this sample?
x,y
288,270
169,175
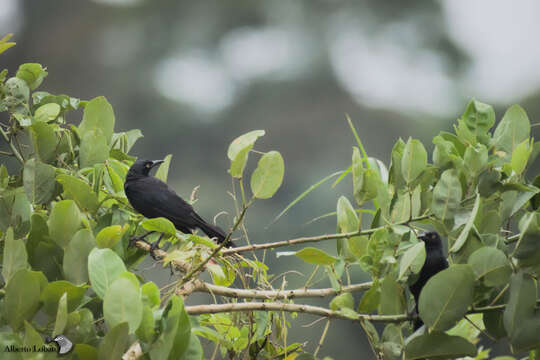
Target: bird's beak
x,y
156,162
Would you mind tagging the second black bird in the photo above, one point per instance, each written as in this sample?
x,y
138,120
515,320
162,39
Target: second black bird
x,y
435,262
153,198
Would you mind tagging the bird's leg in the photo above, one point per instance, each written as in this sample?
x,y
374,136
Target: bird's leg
x,y
134,239
154,246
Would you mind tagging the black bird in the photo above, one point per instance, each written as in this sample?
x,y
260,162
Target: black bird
x,y
435,262
153,198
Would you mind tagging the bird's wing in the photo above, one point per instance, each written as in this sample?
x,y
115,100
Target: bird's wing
x,y
154,198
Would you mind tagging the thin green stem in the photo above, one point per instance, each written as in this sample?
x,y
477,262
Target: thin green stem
x,y
12,147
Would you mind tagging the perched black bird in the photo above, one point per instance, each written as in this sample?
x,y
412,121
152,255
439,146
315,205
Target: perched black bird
x,y
435,262
153,198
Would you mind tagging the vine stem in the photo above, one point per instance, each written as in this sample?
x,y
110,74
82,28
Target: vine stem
x,y
308,239
11,146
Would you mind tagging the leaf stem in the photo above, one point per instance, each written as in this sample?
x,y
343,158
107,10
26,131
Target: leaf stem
x,y
11,146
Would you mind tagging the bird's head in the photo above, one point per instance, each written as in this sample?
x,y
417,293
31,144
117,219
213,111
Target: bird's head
x,y
142,167
431,239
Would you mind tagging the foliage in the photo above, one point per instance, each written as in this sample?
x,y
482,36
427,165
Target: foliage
x,y
68,268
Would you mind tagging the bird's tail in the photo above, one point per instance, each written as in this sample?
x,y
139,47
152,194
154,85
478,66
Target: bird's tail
x,y
213,231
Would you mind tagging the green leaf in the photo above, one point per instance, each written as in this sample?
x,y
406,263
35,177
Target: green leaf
x,y
32,73
370,300
414,160
358,174
98,114
479,118
239,150
109,236
122,303
475,159
396,176
64,221
174,339
44,140
115,343
31,336
401,209
75,263
146,331
54,291
86,352
4,44
527,248
460,241
437,345
150,295
61,315
342,301
513,129
39,181
521,303
21,300
413,259
392,297
159,224
490,265
15,257
446,195
93,149
315,256
446,297
520,156
163,170
79,191
104,267
47,112
346,216
194,350
268,176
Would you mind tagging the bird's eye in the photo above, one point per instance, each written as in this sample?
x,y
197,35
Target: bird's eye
x,y
148,165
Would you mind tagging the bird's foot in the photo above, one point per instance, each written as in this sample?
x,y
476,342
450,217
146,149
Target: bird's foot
x,y
134,239
155,246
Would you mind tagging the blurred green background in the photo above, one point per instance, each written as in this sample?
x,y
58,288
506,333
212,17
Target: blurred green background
x,y
193,75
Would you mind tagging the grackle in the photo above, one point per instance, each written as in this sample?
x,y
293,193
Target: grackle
x,y
153,198
435,262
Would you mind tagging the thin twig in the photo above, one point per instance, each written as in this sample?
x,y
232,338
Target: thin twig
x,y
12,147
321,341
308,239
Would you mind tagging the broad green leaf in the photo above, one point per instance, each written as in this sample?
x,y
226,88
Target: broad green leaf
x,y
93,149
392,297
370,300
163,171
61,315
490,265
315,256
44,140
513,129
239,149
446,297
32,73
268,176
194,350
15,211
342,301
115,343
396,176
414,160
109,236
98,114
479,118
15,257
64,221
475,159
122,303
460,241
358,245
21,300
54,291
521,302
446,195
520,156
75,263
104,267
346,216
47,112
86,352
413,259
150,294
146,331
438,345
79,191
401,209
174,339
464,134
527,248
39,181
159,224
31,336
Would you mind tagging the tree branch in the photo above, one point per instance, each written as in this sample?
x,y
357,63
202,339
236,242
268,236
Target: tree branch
x,y
308,239
300,308
12,147
200,286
